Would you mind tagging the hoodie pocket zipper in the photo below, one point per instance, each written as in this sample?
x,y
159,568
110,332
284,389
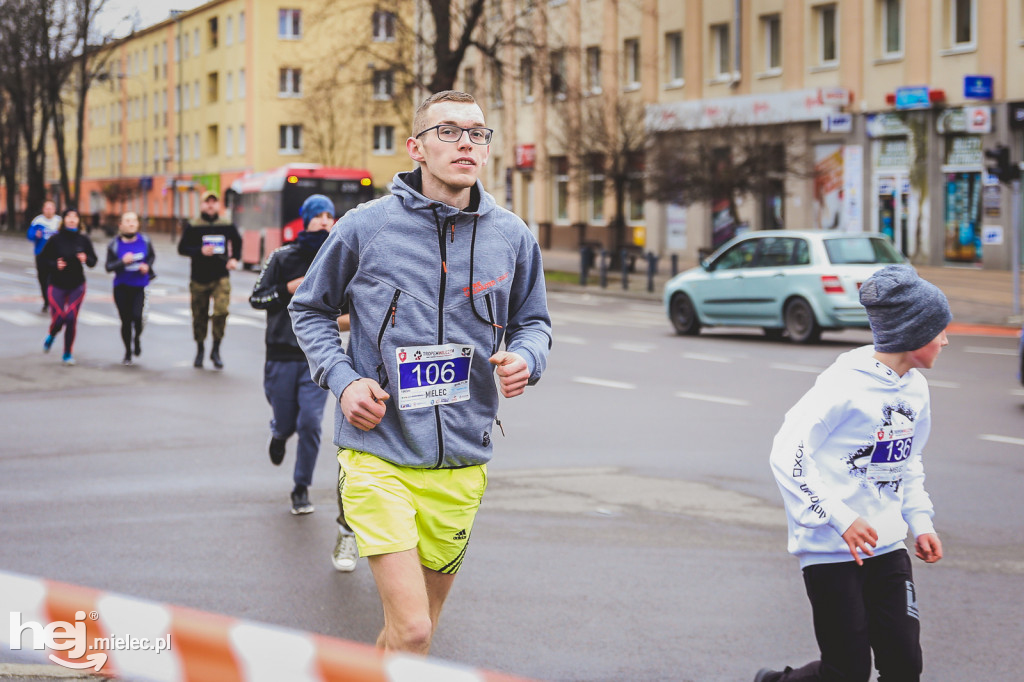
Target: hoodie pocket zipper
x,y
390,316
495,334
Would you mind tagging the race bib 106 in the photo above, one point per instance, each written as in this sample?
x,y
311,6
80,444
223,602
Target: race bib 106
x,y
433,375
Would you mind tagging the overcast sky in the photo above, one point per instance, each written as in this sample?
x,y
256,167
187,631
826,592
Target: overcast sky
x,y
145,13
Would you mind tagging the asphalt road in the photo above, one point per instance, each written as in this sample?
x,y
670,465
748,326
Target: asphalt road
x,y
631,529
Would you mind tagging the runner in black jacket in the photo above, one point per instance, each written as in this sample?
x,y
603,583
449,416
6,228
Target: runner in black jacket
x,y
297,401
65,253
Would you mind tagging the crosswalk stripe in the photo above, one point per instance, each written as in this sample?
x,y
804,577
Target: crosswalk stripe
x,y
23,318
713,399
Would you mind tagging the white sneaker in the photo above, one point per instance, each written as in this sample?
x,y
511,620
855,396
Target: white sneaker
x,y
345,553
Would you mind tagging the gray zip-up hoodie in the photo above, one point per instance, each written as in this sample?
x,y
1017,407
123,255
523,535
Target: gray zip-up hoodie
x,y
417,273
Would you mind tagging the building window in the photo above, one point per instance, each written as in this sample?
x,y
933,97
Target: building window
x,y
156,61
241,140
290,139
229,141
771,28
635,189
593,85
186,48
631,63
674,58
383,139
469,80
212,87
213,29
229,30
559,83
892,27
828,48
177,49
289,24
177,102
241,84
241,27
560,164
229,87
383,85
195,42
383,26
195,95
497,87
526,78
720,61
289,83
961,22
186,99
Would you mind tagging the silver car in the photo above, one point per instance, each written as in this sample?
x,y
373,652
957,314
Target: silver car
x,y
787,282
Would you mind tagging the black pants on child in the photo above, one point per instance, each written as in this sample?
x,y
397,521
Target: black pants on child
x,y
860,609
130,302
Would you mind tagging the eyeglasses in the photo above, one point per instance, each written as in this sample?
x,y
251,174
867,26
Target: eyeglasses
x,y
450,133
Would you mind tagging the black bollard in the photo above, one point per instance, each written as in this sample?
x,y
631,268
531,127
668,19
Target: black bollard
x,y
604,269
652,269
625,269
675,264
586,260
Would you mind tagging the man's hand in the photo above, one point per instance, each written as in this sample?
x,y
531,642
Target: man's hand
x,y
61,264
128,258
860,535
206,249
513,373
293,284
232,264
362,403
929,547
81,256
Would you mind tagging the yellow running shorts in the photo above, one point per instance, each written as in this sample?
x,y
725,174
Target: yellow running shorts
x,y
392,508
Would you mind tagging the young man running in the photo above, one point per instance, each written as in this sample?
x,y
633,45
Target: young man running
x,y
436,277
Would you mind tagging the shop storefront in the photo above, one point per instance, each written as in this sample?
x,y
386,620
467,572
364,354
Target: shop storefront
x,y
891,203
963,172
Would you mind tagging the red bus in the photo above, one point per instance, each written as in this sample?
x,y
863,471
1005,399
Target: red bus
x,y
265,206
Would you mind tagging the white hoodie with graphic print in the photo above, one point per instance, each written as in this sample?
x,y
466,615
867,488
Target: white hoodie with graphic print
x,y
851,446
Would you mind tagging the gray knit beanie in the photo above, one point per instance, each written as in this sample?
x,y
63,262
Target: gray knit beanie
x,y
905,311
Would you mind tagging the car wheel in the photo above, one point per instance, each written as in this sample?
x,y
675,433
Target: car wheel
x,y
684,316
801,325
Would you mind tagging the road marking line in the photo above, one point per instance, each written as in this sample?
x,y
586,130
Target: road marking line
x,y
590,381
707,358
1001,439
634,347
163,319
574,340
244,321
23,318
796,368
1017,391
989,351
943,384
713,399
92,319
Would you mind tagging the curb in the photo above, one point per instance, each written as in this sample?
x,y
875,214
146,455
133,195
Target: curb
x,y
200,646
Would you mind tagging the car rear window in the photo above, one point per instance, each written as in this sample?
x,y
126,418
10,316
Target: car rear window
x,y
850,250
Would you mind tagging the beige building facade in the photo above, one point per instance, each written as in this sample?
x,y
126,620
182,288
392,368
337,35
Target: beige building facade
x,y
195,102
883,110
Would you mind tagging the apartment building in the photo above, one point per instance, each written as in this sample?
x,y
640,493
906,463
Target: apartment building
x,y
235,86
878,113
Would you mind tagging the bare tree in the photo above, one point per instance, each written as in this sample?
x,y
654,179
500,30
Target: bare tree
x,y
719,165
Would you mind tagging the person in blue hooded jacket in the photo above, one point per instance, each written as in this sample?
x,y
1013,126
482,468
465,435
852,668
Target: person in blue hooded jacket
x,y
437,278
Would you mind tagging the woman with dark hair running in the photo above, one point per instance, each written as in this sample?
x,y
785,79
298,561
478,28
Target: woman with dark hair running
x,y
65,254
130,257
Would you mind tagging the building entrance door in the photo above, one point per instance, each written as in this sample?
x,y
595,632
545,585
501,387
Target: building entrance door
x,y
893,201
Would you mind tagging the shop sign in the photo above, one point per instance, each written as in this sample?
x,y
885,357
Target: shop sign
x,y
976,120
893,153
1016,114
526,156
978,87
965,150
742,110
991,200
837,123
885,125
913,97
991,235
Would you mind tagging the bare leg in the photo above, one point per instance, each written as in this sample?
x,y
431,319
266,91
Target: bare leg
x,y
412,597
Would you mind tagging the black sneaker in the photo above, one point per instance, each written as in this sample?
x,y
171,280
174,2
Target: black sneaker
x,y
300,501
138,347
198,362
769,675
127,359
276,449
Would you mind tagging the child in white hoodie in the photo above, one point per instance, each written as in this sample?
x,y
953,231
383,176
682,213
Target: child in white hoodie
x,y
848,463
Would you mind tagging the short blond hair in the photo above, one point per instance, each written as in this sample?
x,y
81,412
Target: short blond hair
x,y
419,121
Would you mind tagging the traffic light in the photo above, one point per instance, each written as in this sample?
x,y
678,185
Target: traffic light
x,y
999,164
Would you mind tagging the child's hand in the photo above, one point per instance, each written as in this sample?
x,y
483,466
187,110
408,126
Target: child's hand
x,y
860,535
929,547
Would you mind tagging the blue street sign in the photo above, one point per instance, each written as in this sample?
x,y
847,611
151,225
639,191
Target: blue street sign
x,y
977,87
912,97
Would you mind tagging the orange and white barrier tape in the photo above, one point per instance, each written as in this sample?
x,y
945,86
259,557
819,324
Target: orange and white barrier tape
x,y
119,636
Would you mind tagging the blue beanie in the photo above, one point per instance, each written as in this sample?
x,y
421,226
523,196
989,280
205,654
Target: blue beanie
x,y
313,206
905,311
